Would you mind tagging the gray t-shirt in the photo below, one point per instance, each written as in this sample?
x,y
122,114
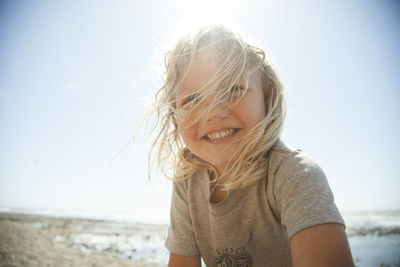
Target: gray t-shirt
x,y
252,225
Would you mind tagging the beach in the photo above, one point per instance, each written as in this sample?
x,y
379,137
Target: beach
x,y
30,240
38,240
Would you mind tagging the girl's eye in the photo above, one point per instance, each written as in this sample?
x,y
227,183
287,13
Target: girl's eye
x,y
237,88
191,98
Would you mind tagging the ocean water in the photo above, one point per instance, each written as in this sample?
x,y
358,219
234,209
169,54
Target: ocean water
x,y
374,236
110,215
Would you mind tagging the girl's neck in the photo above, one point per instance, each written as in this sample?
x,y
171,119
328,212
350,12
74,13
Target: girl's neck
x,y
217,188
223,175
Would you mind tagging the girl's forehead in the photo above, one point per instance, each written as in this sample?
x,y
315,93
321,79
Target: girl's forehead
x,y
201,70
202,61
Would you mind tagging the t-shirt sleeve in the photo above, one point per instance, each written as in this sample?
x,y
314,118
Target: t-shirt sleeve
x,y
181,239
303,195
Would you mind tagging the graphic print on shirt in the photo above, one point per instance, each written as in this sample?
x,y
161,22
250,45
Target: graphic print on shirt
x,y
233,258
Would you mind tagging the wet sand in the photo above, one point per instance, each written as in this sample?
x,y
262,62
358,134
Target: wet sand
x,y
27,240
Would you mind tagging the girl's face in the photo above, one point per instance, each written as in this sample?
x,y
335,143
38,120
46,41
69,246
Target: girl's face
x,y
217,137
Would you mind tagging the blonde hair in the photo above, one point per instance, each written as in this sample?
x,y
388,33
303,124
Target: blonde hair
x,y
238,60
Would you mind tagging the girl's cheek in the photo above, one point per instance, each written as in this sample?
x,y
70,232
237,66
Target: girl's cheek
x,y
189,128
188,121
186,125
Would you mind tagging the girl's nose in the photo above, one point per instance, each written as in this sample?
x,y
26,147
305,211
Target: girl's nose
x,y
218,111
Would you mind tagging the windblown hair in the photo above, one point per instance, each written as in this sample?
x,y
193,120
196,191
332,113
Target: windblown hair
x,y
237,61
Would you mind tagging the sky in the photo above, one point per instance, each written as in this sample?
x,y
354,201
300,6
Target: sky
x,y
76,75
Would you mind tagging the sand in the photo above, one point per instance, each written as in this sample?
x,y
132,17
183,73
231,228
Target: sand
x,y
27,240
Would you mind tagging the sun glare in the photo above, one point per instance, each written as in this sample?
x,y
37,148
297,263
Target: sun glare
x,y
193,13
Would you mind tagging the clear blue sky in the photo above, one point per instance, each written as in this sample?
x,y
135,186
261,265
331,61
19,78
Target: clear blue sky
x,y
74,75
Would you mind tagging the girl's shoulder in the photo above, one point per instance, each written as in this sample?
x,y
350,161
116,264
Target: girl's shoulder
x,y
286,160
297,189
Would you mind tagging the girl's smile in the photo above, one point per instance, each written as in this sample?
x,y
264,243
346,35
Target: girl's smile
x,y
220,135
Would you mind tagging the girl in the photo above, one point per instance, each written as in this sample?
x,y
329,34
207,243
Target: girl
x,y
241,197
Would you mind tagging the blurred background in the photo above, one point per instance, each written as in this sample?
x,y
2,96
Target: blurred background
x,y
75,76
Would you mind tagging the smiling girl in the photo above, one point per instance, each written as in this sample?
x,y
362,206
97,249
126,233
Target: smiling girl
x,y
241,197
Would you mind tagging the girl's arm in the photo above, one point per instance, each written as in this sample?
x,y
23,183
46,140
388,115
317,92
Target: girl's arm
x,y
321,245
183,261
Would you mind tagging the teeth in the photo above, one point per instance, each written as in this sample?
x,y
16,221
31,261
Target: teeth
x,y
220,134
